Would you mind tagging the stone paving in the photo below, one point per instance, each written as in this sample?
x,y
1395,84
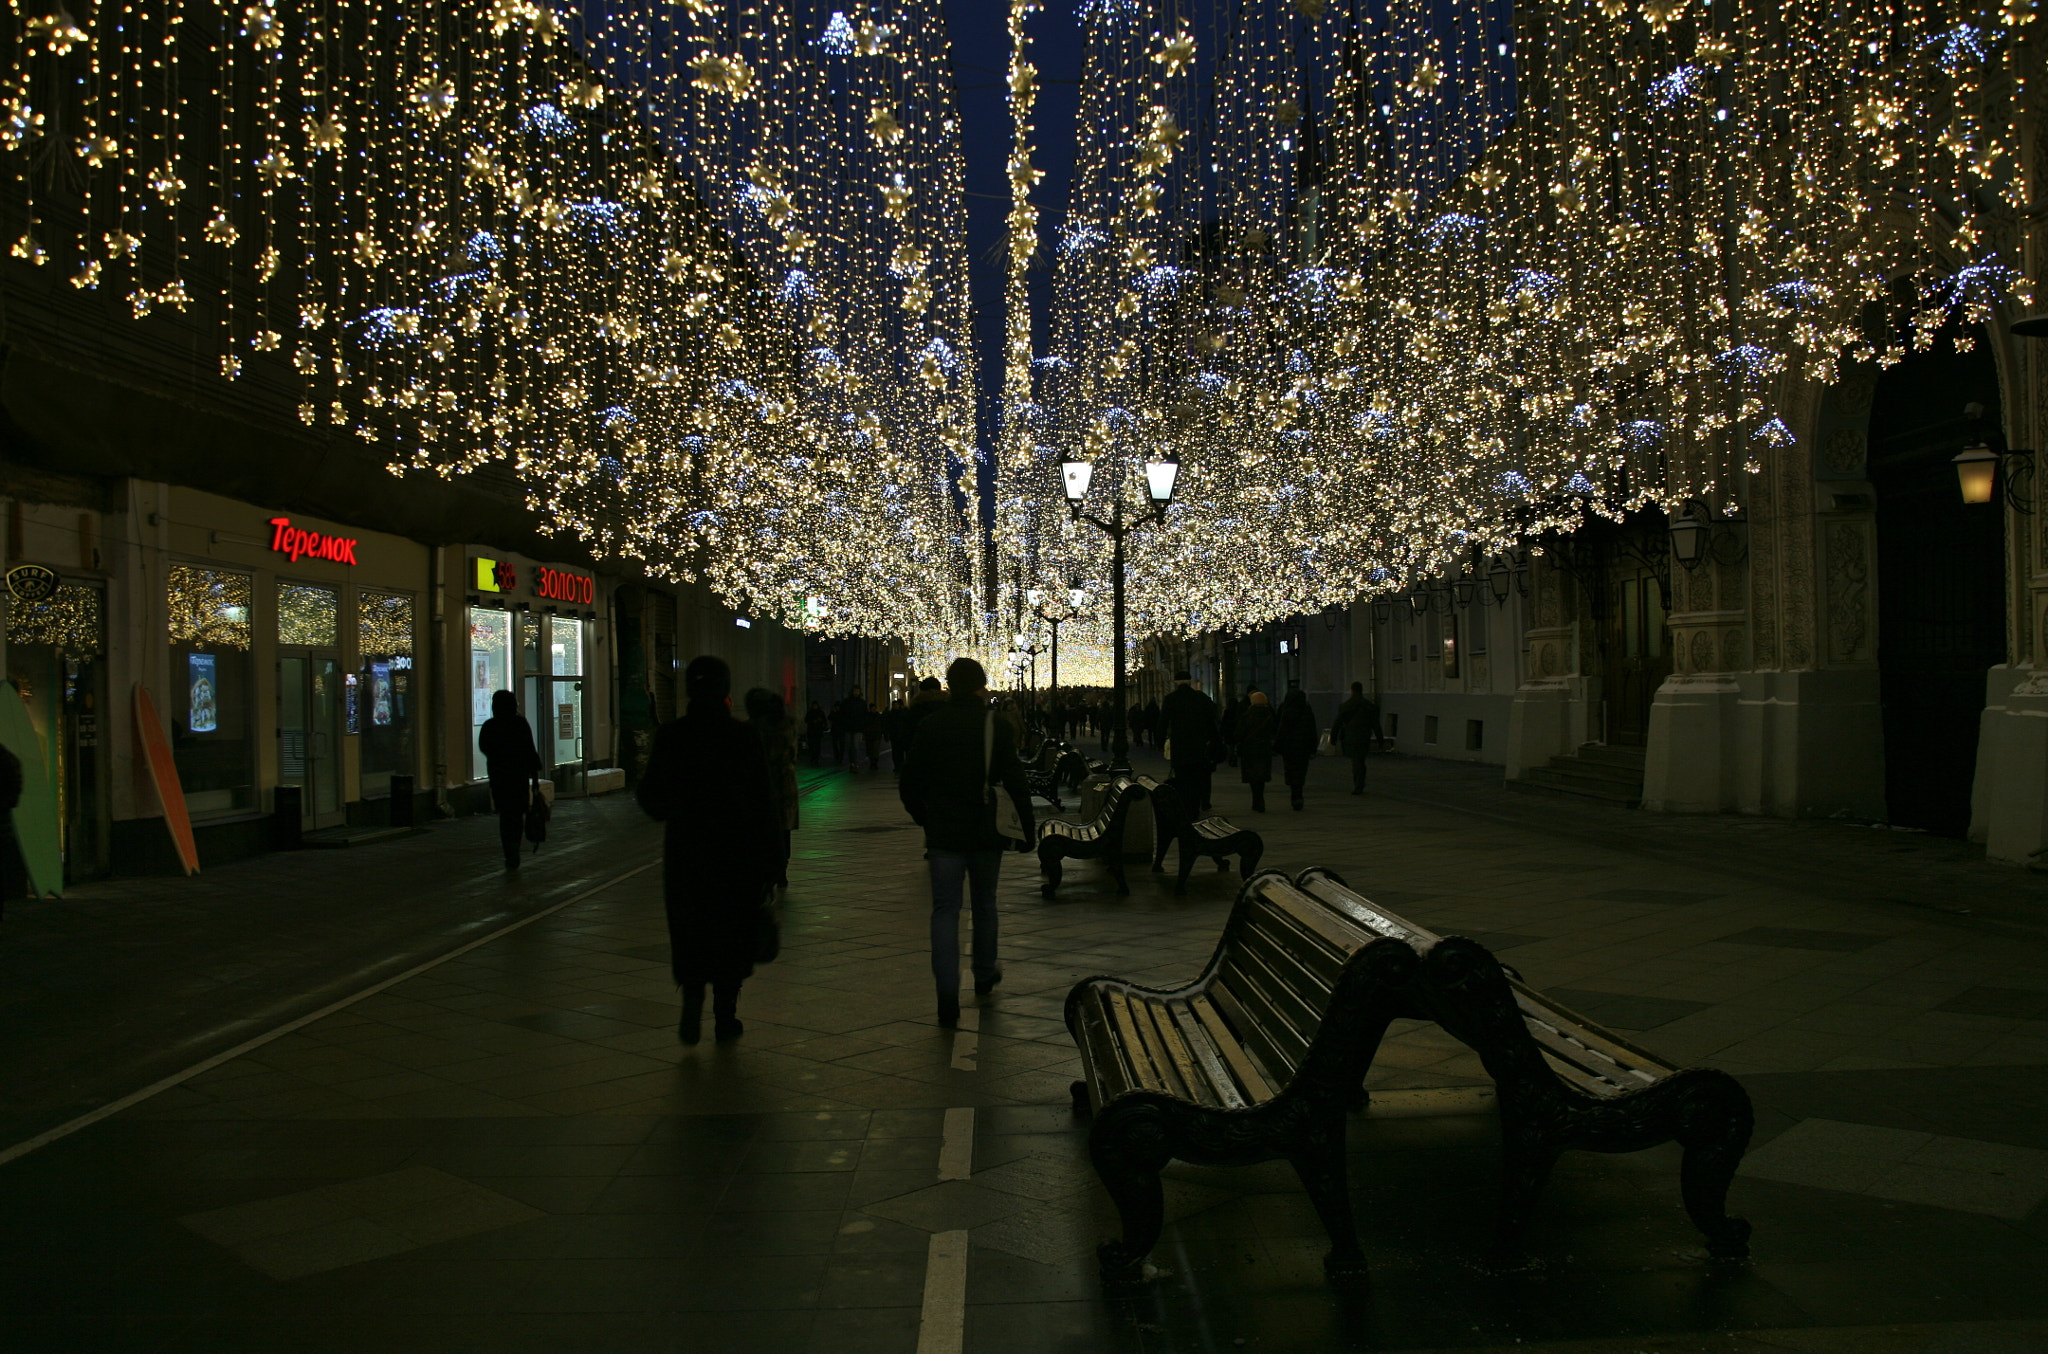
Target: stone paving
x,y
510,1151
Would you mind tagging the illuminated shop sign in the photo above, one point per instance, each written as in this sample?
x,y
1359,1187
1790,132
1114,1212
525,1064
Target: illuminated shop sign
x,y
550,585
556,586
287,539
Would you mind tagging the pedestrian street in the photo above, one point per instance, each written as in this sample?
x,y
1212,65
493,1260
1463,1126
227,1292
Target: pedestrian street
x,y
510,1151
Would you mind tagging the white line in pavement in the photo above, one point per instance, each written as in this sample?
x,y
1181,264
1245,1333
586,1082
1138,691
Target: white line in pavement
x,y
942,1327
113,1107
967,1040
956,1148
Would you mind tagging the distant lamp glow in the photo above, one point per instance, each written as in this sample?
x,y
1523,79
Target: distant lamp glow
x,y
1160,477
1077,597
1076,475
1688,537
1977,472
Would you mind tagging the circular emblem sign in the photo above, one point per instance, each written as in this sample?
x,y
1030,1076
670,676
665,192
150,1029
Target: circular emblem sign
x,y
32,583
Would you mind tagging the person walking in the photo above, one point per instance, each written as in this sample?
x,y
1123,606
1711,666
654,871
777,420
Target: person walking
x,y
707,781
1255,747
771,724
1294,738
814,726
513,765
1193,737
930,696
1357,732
962,756
848,717
1153,727
871,728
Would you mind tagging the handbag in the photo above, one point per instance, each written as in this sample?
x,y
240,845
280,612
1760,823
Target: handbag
x,y
1009,823
537,815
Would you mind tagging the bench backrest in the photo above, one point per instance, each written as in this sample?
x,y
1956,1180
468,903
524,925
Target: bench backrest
x,y
1278,964
1116,804
1169,813
1593,1058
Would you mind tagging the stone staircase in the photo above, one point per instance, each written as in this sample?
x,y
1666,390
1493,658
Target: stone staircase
x,y
1595,771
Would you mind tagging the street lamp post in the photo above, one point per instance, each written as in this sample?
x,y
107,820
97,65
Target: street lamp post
x,y
1160,478
1077,597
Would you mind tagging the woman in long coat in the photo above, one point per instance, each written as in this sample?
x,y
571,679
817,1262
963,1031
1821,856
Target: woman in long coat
x,y
1255,748
1294,738
707,779
771,723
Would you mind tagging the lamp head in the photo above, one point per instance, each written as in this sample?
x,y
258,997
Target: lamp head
x,y
1077,597
1500,578
1075,476
1160,478
1976,472
1688,538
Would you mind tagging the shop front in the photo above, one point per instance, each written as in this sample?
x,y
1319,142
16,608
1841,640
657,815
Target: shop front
x,y
56,664
534,630
289,664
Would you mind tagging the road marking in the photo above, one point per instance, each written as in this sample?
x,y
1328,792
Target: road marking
x,y
967,1040
956,1149
113,1107
942,1327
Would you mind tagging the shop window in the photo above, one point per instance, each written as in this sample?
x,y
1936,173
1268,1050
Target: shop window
x,y
1429,728
490,670
308,615
384,643
56,651
212,738
1475,735
564,713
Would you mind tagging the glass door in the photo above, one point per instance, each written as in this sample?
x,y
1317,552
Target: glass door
x,y
309,734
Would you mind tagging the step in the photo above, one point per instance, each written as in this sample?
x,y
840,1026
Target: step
x,y
337,838
1607,754
1548,780
1607,771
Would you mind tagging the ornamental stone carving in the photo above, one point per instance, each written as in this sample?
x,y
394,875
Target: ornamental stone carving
x,y
1731,651
1855,390
1546,659
1797,591
1848,589
1844,452
1702,651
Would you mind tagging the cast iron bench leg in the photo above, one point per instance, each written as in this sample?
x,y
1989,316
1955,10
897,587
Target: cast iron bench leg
x,y
1715,1121
1248,860
1049,866
1128,1147
1187,867
1320,1164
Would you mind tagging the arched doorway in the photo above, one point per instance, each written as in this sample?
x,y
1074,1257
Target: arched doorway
x,y
1940,581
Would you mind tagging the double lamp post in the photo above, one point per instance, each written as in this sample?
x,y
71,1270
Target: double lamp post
x,y
1160,477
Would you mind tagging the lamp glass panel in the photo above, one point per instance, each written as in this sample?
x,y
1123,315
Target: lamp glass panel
x,y
1077,475
1500,580
1977,473
1159,479
1686,538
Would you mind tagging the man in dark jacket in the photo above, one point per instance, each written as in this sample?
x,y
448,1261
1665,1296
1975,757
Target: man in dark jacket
x,y
1357,732
1294,738
956,768
707,781
1193,736
849,717
930,696
506,741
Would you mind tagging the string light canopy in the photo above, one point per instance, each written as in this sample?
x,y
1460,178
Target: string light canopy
x,y
1384,328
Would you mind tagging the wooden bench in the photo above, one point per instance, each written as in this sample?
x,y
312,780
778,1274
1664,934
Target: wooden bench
x,y
1099,839
1257,1059
1042,776
1216,837
1563,1081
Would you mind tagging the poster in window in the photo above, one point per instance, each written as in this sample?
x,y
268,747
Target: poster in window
x,y
565,722
380,694
480,689
204,709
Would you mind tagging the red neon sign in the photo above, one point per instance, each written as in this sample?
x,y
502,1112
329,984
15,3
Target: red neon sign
x,y
290,540
556,586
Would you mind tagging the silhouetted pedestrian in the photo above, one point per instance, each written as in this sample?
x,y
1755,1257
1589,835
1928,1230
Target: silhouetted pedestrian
x,y
1193,738
814,726
512,763
707,781
1357,732
1255,747
962,750
1294,738
771,723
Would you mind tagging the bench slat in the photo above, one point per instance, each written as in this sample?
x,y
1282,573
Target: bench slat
x,y
1202,1047
1293,982
1133,1068
1273,1068
1175,1047
1154,1072
1261,1025
1639,1062
1108,1072
1251,1078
